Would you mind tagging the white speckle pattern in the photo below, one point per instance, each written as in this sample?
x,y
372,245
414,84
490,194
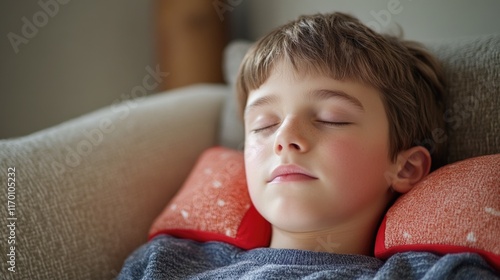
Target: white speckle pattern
x,y
457,205
406,235
492,211
214,198
471,237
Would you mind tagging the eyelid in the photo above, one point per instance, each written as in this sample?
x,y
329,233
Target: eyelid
x,y
262,122
334,117
263,128
335,114
339,123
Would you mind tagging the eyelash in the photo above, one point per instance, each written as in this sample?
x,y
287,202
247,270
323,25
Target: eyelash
x,y
322,122
335,123
262,129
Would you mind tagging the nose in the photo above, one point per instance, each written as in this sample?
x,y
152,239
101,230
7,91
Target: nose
x,y
291,137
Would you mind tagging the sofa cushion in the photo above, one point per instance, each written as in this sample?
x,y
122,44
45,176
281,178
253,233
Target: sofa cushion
x,y
87,190
214,204
231,134
454,209
472,70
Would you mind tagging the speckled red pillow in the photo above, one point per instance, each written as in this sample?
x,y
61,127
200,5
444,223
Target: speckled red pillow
x,y
454,209
214,204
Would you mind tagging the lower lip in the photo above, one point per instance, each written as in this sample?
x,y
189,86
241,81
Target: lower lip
x,y
292,178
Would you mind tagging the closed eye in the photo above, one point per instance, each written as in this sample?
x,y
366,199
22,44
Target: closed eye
x,y
335,123
262,129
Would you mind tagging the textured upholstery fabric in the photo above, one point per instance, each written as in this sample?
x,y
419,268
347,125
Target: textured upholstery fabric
x,y
84,202
472,69
232,131
214,204
454,209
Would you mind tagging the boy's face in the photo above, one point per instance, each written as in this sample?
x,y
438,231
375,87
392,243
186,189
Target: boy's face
x,y
316,151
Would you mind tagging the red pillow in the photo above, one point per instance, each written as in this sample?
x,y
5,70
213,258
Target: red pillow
x,y
214,204
454,209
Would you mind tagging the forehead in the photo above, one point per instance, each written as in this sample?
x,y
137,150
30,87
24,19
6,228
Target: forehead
x,y
288,71
287,85
293,78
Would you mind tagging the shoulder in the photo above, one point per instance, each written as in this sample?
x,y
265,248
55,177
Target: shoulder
x,y
418,265
173,257
166,245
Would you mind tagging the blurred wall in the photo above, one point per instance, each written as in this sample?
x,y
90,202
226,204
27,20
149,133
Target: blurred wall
x,y
88,54
420,20
60,59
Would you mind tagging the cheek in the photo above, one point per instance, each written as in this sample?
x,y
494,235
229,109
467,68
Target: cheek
x,y
358,160
254,158
253,151
255,154
257,149
345,157
356,174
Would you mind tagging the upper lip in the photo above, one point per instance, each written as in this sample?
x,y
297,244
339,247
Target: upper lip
x,y
287,170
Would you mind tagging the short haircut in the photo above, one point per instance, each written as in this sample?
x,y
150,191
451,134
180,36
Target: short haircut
x,y
341,47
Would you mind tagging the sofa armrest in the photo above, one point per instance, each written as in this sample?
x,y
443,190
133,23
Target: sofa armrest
x,y
87,190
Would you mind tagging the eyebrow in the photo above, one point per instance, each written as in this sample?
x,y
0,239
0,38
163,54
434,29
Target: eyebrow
x,y
324,94
321,94
265,100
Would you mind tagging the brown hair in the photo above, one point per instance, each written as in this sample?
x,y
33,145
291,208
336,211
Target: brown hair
x,y
343,48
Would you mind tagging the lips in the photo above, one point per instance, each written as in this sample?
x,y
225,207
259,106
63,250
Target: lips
x,y
290,173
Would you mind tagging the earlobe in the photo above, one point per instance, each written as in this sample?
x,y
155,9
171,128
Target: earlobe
x,y
412,166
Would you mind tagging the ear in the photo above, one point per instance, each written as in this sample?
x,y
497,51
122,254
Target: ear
x,y
412,165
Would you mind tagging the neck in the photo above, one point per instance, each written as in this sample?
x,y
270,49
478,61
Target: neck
x,y
347,239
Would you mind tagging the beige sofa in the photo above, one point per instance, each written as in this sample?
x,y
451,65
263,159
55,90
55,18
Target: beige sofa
x,y
87,190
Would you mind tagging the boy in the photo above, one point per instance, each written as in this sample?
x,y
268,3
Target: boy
x,y
333,116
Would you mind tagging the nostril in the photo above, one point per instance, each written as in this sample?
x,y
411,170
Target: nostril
x,y
294,146
280,147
